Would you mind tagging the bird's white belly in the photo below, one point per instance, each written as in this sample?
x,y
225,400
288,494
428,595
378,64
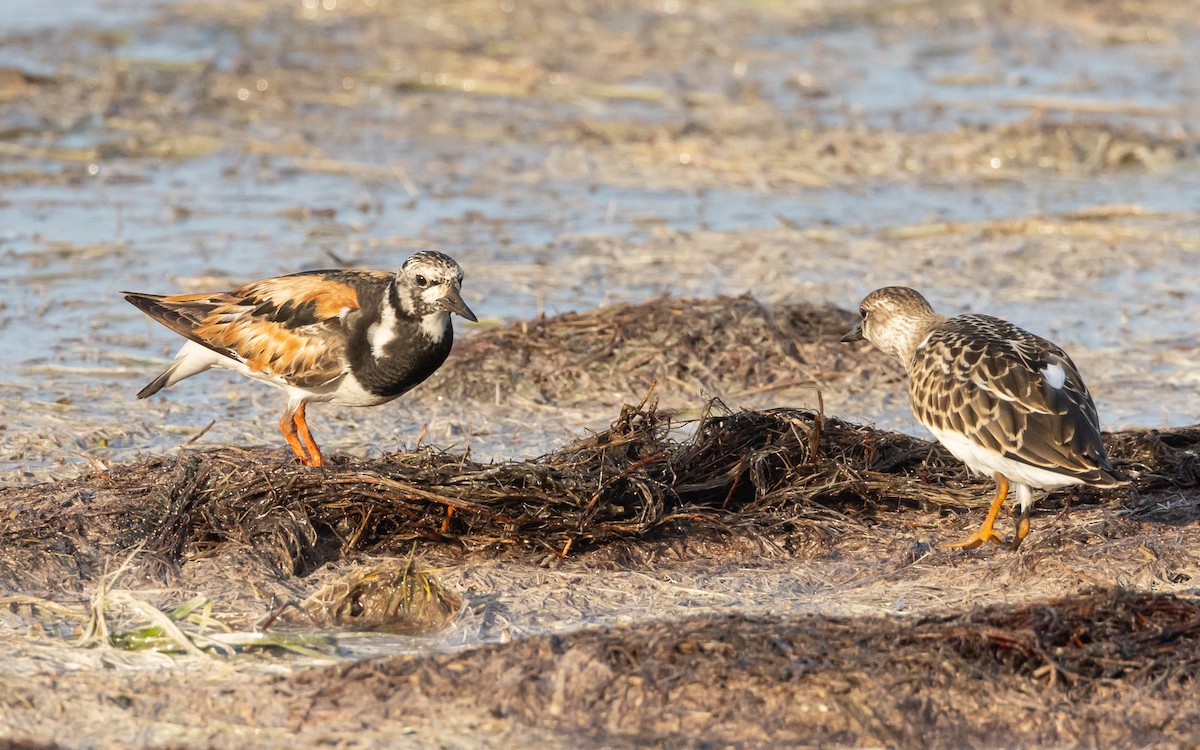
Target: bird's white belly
x,y
347,391
344,390
983,461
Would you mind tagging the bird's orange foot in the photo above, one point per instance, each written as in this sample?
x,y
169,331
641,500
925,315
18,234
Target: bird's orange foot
x,y
986,534
1022,530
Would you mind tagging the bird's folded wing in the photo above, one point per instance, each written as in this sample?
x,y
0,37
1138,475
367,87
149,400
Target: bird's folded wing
x,y
292,327
1022,399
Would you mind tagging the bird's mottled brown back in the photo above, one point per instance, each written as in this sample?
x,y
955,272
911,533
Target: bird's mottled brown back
x,y
987,379
290,327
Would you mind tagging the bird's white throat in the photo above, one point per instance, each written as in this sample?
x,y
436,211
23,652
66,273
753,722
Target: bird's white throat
x,y
435,325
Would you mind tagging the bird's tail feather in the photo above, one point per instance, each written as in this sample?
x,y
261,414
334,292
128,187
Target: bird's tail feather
x,y
191,360
162,381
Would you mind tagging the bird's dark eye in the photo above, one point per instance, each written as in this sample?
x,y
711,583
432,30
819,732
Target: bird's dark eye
x,y
862,311
422,281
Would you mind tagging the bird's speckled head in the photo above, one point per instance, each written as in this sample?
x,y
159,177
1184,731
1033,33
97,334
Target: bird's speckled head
x,y
895,319
429,283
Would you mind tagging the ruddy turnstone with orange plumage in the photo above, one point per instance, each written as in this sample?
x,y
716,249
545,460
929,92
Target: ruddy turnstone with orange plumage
x,y
349,337
1004,401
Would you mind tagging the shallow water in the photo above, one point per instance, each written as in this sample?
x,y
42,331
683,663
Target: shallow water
x,y
987,75
22,17
525,228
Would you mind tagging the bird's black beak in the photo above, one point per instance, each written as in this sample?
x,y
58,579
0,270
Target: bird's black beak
x,y
453,302
854,334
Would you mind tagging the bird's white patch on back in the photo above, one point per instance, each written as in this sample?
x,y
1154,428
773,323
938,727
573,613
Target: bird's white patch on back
x,y
434,326
984,461
1055,375
925,340
384,332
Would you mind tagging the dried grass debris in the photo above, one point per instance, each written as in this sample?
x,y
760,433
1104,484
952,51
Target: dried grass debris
x,y
722,345
387,596
771,472
1120,660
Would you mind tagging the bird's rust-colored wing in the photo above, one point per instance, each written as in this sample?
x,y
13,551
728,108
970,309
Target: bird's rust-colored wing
x,y
292,328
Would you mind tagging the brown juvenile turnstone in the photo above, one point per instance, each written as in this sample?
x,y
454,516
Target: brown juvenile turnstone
x,y
1004,401
354,337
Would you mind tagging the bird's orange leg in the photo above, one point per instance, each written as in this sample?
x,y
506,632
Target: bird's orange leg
x,y
314,453
1022,528
986,532
287,425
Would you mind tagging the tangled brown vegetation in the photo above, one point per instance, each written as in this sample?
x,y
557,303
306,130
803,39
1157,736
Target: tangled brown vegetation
x,y
708,346
936,682
775,473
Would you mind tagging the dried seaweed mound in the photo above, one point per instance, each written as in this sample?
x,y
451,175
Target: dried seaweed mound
x,y
1118,635
756,468
721,345
1158,458
781,470
635,479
